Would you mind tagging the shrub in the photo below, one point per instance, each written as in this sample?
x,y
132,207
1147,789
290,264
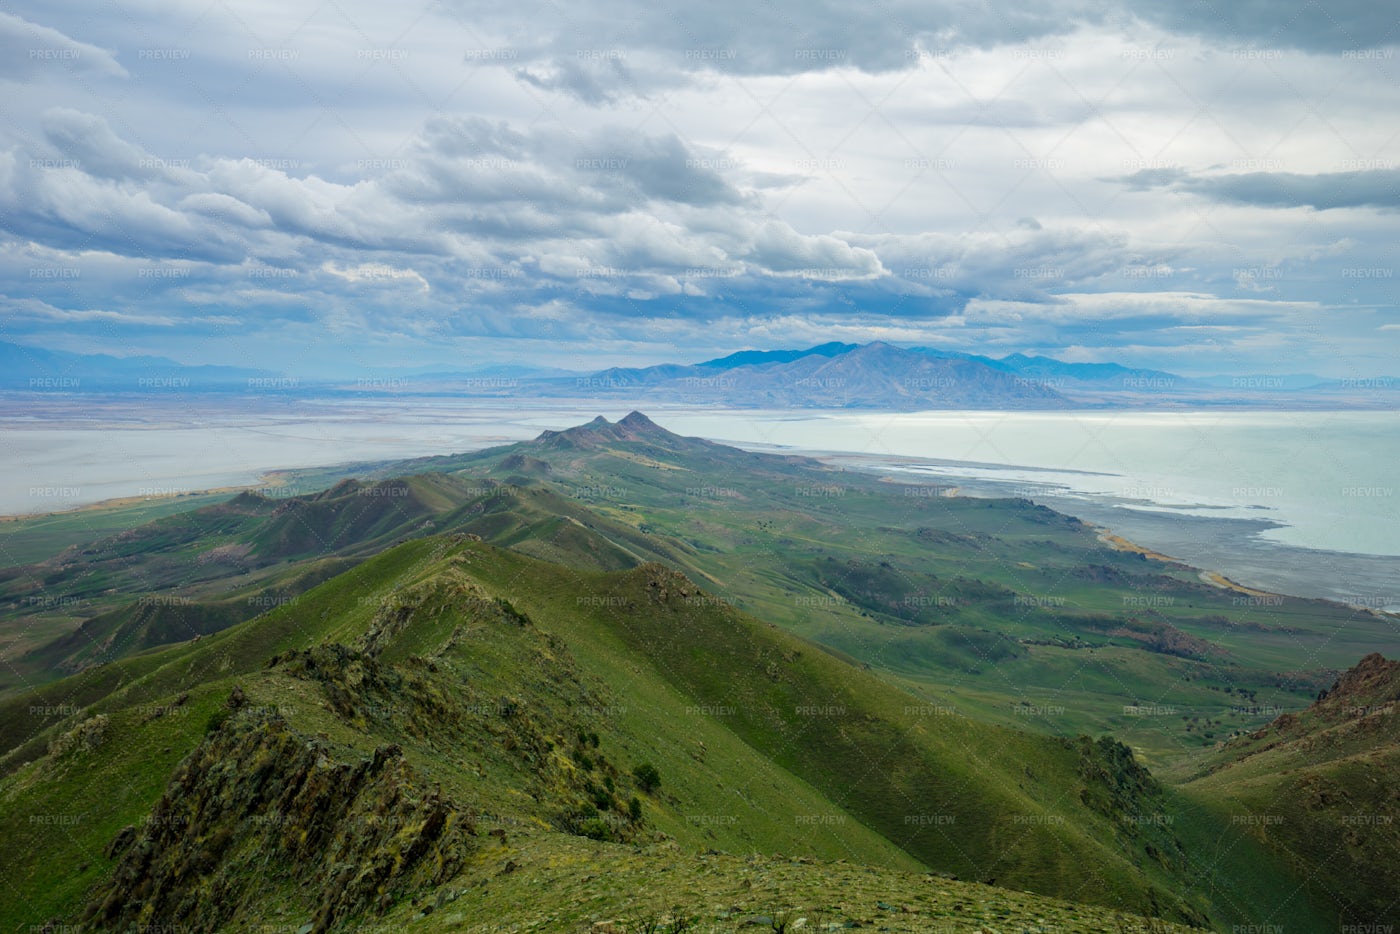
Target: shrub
x,y
595,829
648,779
216,720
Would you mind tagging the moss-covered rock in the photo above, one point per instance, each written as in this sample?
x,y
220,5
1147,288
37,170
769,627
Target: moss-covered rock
x,y
259,807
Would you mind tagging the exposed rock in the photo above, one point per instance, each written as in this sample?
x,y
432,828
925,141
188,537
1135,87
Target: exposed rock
x,y
1374,680
84,737
258,806
121,842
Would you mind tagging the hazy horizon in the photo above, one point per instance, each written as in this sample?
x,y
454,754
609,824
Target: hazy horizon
x,y
526,365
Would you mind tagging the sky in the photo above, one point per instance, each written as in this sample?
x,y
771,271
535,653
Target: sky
x,y
354,187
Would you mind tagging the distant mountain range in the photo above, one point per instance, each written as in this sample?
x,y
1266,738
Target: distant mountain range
x,y
875,375
36,369
832,375
883,376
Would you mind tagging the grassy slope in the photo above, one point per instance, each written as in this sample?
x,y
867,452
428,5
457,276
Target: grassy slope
x,y
790,751
736,525
65,792
192,574
30,539
1004,610
988,606
1317,790
573,884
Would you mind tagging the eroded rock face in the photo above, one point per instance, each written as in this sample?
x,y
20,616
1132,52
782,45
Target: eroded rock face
x,y
1373,682
258,807
84,737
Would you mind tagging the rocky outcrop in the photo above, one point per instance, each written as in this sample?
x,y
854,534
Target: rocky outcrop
x,y
259,807
1372,683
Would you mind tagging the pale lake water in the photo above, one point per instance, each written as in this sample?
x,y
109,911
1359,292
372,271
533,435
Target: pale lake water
x,y
1298,502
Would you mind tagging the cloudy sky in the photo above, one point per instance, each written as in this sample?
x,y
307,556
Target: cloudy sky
x,y
353,186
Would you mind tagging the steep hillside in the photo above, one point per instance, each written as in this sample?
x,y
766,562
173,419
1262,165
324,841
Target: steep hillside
x,y
1319,790
159,619
447,687
463,675
193,574
1000,609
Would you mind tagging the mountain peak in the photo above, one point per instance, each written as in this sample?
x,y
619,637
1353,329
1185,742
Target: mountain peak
x,y
879,347
761,357
632,427
636,421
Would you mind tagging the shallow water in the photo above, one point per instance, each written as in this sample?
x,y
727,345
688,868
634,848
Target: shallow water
x,y
1298,502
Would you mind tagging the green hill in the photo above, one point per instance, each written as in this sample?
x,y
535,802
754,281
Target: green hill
x,y
1318,790
538,710
171,580
1001,609
615,676
998,608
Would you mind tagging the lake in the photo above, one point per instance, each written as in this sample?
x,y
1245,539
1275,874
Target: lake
x,y
1297,502
1300,502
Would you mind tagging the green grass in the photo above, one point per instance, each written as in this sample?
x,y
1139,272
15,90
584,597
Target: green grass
x,y
592,884
1317,792
764,743
875,573
61,812
29,539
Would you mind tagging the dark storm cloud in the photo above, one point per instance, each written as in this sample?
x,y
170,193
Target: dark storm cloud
x,y
1369,188
470,160
597,50
601,51
1309,25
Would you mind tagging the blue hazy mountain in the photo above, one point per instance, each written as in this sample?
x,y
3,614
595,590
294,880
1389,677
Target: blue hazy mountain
x,y
35,368
830,375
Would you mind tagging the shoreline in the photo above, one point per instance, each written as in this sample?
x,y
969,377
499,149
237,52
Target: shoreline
x,y
271,479
120,502
1229,551
1119,543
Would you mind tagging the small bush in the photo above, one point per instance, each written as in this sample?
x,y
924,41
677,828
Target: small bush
x,y
595,829
648,779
